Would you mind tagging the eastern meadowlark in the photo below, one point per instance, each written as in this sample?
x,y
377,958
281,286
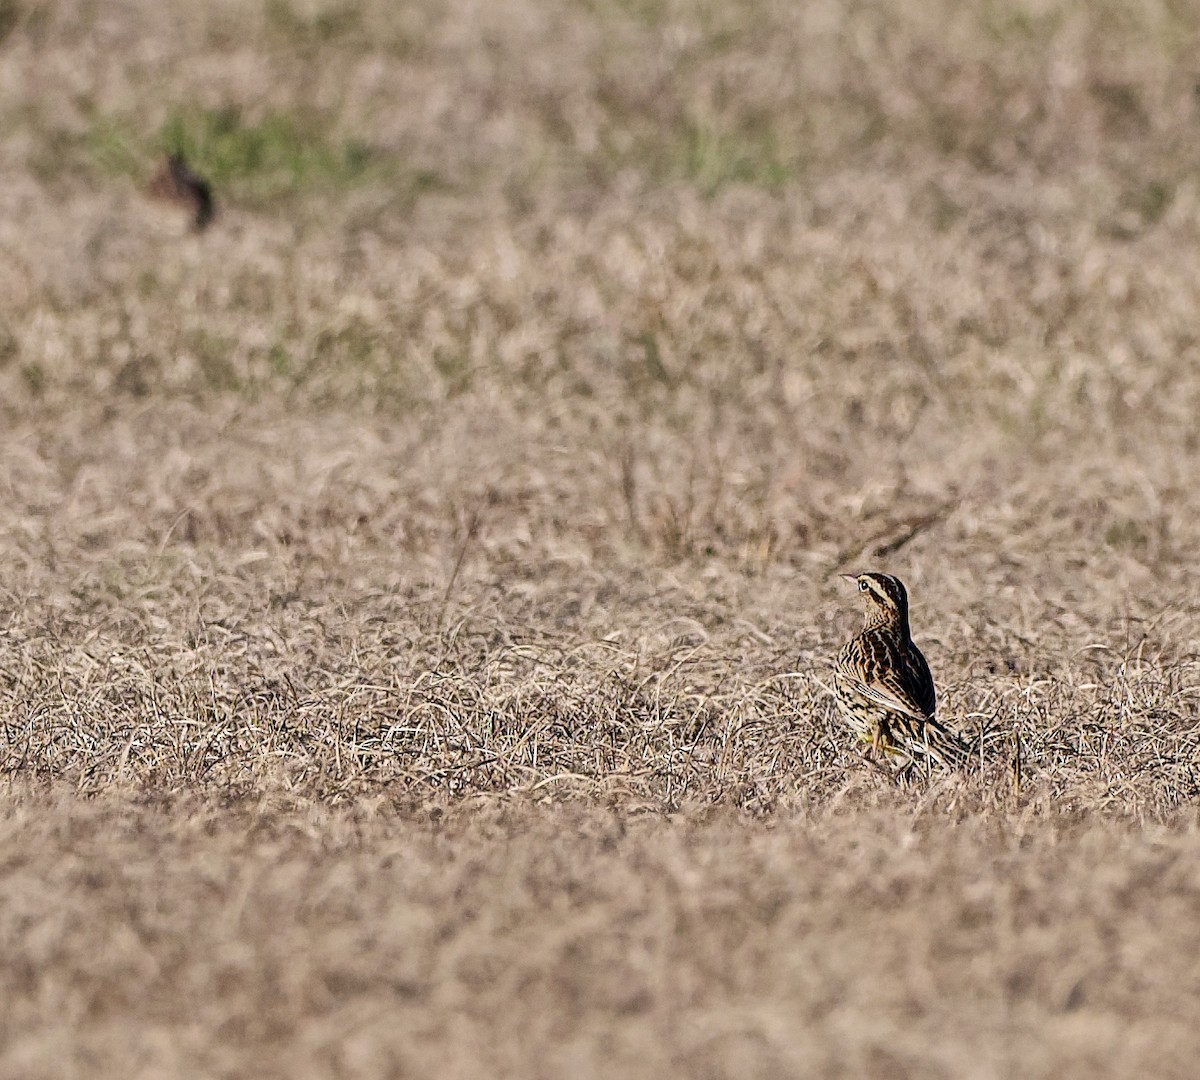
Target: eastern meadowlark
x,y
176,182
883,684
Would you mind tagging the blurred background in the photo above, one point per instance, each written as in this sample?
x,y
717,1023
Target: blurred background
x,y
743,280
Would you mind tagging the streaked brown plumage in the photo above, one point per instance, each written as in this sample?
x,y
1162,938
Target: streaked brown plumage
x,y
883,684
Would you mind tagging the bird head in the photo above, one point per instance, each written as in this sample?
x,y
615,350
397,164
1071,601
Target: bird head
x,y
885,597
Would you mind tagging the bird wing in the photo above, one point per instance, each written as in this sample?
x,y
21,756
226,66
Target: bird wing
x,y
877,670
889,692
882,673
919,680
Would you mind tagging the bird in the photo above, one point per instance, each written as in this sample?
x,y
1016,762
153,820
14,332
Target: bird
x,y
883,685
175,181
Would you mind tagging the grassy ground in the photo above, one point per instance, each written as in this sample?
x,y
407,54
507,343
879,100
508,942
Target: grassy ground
x,y
418,587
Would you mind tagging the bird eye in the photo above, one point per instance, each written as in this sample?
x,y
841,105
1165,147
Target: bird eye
x,y
863,586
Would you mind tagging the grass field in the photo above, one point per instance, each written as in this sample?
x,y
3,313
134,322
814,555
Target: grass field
x,y
417,589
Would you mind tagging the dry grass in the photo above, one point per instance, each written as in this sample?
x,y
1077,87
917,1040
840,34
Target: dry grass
x,y
418,587
282,939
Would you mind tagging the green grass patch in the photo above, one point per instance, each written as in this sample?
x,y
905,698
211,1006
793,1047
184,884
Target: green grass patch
x,y
713,159
11,14
111,144
1007,24
268,157
1153,200
301,30
277,154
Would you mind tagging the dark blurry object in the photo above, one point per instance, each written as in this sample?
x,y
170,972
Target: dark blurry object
x,y
176,182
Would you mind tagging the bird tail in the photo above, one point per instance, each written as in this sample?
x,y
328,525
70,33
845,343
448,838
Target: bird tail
x,y
939,743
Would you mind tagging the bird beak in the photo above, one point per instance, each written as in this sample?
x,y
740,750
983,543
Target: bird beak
x,y
849,577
